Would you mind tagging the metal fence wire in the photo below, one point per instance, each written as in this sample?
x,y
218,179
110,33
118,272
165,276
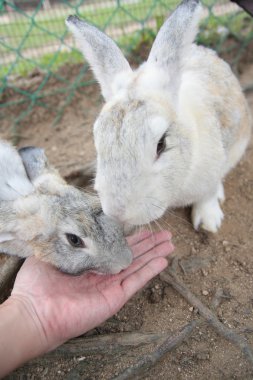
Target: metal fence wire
x,y
39,60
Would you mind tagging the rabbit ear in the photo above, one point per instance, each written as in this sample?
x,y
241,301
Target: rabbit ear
x,y
5,236
13,179
175,36
34,160
15,247
102,53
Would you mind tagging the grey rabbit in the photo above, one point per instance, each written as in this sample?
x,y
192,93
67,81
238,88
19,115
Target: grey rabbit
x,y
41,215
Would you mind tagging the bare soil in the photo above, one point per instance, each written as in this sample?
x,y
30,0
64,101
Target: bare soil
x,y
205,264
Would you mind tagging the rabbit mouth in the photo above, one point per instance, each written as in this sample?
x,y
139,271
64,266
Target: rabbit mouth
x,y
77,273
115,268
74,273
106,270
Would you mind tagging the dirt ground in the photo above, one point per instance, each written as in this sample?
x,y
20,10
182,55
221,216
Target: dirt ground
x,y
205,264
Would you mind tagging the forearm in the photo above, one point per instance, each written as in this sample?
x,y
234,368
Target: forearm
x,y
21,337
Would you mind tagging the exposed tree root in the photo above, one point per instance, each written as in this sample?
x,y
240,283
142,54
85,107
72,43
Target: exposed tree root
x,y
147,361
102,344
245,330
170,278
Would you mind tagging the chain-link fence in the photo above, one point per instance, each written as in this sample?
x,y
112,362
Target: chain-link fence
x,y
41,68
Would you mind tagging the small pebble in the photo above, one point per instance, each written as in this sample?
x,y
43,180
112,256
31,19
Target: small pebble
x,y
191,308
204,272
205,293
81,358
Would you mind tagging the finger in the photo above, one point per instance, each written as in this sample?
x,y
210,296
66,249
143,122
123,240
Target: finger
x,y
138,279
162,250
150,242
137,237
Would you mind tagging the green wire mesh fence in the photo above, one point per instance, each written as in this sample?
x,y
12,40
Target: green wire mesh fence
x,y
41,68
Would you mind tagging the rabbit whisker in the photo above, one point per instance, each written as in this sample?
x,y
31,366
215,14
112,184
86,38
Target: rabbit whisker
x,y
158,225
171,213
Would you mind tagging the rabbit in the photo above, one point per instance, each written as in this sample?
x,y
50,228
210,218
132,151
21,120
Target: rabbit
x,y
171,130
55,222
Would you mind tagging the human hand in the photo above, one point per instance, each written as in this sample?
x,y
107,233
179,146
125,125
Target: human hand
x,y
63,306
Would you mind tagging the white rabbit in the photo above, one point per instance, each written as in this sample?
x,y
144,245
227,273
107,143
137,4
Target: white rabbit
x,y
169,131
55,222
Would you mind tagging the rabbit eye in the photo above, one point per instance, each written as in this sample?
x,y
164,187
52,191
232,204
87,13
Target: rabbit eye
x,y
75,241
161,146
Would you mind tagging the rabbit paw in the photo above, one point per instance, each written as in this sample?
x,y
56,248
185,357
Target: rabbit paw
x,y
220,193
208,215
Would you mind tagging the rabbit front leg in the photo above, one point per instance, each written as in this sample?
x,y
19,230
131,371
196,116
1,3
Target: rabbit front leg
x,y
207,213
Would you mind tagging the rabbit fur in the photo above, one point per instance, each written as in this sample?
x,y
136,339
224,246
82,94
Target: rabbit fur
x,y
40,213
171,130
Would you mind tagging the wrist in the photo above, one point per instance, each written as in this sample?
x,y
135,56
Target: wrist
x,y
21,334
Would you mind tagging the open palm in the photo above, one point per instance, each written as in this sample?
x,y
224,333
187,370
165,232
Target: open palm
x,y
68,306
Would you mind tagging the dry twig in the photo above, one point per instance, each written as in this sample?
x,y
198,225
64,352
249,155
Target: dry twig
x,y
206,313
